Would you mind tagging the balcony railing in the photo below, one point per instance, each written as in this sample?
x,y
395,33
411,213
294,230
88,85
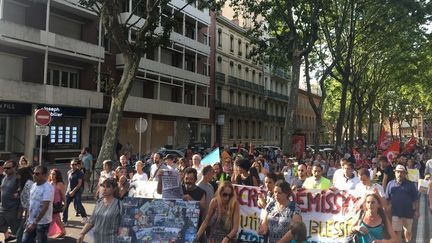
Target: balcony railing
x,y
240,110
272,94
282,73
246,85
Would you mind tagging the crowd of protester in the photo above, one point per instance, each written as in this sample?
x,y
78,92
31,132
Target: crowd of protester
x,y
40,199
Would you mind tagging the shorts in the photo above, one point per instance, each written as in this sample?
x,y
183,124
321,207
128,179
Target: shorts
x,y
400,223
87,175
8,218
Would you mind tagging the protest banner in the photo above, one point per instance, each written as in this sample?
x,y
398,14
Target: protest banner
x,y
144,189
171,185
250,213
158,220
328,215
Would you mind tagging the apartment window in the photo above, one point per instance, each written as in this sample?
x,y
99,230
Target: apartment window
x,y
232,43
239,98
247,55
247,100
231,97
63,77
219,93
231,128
253,102
246,129
239,125
240,47
259,130
253,76
253,130
219,38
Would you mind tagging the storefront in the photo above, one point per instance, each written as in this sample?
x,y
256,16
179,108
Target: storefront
x,y
64,140
13,118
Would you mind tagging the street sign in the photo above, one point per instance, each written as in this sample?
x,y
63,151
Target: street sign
x,y
42,117
42,130
141,125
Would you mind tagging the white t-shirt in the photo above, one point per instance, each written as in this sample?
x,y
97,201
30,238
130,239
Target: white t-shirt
x,y
428,168
343,183
138,177
361,190
38,194
339,174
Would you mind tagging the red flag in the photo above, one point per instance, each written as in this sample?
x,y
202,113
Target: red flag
x,y
410,145
383,142
392,151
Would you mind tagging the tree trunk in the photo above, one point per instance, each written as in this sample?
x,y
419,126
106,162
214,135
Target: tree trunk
x,y
318,130
359,121
370,125
391,122
351,121
118,102
289,126
341,118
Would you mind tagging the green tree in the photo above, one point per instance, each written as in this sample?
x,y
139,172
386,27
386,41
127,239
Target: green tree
x,y
151,29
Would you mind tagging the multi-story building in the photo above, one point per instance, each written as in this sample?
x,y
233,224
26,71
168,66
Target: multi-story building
x,y
305,118
49,55
52,56
250,99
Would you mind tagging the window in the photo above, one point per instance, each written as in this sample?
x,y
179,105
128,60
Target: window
x,y
239,129
232,43
231,128
3,131
239,97
63,77
247,55
247,100
231,97
253,76
259,130
219,39
246,129
219,93
253,130
240,47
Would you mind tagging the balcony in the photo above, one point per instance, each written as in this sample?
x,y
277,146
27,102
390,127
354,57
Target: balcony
x,y
202,16
48,94
220,78
191,43
161,68
281,73
138,104
245,85
274,95
74,6
31,38
240,110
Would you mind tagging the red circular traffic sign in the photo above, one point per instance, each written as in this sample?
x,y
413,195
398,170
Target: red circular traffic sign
x,y
42,117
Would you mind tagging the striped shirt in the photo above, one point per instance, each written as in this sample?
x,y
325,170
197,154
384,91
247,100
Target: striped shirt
x,y
106,220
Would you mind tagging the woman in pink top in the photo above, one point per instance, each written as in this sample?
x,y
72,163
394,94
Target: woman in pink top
x,y
57,229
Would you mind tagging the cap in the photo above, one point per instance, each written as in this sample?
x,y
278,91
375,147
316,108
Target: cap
x,y
169,156
400,168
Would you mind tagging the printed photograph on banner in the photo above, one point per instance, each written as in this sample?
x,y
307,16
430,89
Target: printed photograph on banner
x,y
171,185
158,220
144,189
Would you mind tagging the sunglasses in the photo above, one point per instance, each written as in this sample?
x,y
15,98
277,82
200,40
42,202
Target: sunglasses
x,y
7,168
227,194
36,173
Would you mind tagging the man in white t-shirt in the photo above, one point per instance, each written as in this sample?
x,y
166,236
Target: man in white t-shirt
x,y
348,180
40,209
139,175
196,164
339,173
428,169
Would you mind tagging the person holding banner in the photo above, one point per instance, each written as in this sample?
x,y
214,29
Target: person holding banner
x,y
223,216
373,225
279,214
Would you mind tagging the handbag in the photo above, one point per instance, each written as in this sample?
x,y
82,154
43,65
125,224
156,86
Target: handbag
x,y
57,207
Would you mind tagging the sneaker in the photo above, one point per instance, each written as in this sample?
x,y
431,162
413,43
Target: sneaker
x,y
77,214
84,220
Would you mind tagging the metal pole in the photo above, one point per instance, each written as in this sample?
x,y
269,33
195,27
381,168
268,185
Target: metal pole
x,y
140,132
40,150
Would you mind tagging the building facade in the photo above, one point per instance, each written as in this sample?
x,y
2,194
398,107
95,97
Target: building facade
x,y
250,99
305,117
54,56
